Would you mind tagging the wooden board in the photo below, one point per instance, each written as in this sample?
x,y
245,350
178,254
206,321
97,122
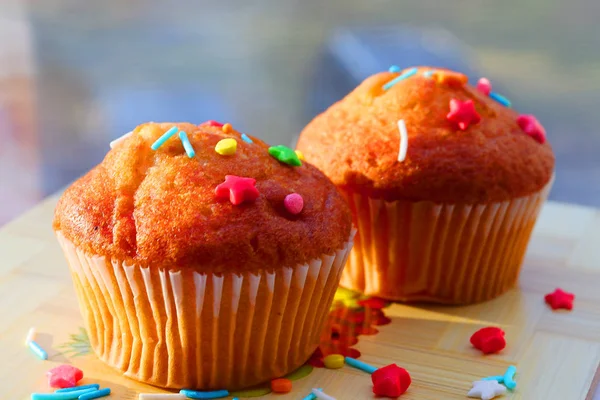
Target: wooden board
x,y
557,353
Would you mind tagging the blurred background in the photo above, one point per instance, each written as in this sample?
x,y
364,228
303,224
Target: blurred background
x,y
75,74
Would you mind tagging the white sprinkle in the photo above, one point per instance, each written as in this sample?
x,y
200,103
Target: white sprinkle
x,y
119,139
30,336
403,140
321,395
160,396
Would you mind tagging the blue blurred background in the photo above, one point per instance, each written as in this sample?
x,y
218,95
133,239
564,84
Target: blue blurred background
x,y
76,74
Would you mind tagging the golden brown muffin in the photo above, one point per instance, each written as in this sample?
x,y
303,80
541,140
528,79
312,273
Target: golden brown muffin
x,y
449,222
182,288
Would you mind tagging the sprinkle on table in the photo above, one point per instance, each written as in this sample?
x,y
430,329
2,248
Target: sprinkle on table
x,y
463,113
353,362
37,350
400,77
390,381
285,155
508,377
215,394
237,189
488,340
500,99
311,396
226,147
486,390
246,138
403,140
166,136
532,127
484,86
281,385
31,333
189,150
95,395
62,395
64,376
334,361
319,394
94,386
560,299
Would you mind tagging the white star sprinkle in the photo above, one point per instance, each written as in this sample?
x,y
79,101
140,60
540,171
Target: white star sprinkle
x,y
486,390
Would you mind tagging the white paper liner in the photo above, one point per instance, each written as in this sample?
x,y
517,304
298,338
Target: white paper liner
x,y
448,253
183,329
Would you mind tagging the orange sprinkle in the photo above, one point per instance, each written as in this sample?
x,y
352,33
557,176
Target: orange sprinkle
x,y
227,128
281,385
450,78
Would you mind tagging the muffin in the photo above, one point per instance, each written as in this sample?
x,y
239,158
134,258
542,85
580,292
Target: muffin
x,y
208,263
444,180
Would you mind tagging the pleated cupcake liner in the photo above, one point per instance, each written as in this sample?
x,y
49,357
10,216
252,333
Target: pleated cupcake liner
x,y
444,253
177,328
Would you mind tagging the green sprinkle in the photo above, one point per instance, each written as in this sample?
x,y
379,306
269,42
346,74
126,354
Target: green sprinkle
x,y
285,155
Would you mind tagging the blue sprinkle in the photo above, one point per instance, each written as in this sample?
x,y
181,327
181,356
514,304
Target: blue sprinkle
x,y
217,394
399,78
497,378
187,145
246,139
161,140
428,74
94,386
353,362
508,377
72,395
500,99
37,349
95,395
395,68
312,396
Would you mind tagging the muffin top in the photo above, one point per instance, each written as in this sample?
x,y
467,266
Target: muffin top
x,y
462,144
225,208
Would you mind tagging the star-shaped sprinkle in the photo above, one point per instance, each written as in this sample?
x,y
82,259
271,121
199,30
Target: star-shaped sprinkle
x,y
532,127
486,390
450,78
560,299
390,381
463,113
64,376
484,86
237,189
285,155
489,340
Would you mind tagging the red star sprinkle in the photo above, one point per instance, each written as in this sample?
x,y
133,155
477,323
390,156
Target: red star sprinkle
x,y
560,299
489,340
463,113
237,189
484,86
532,127
390,381
64,376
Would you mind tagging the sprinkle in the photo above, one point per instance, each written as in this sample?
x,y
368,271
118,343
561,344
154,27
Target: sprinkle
x,y
64,376
394,69
532,127
161,396
429,74
161,140
281,385
321,395
246,138
30,335
500,99
95,395
94,386
120,139
216,394
508,377
463,113
390,381
300,155
311,396
285,155
484,86
403,140
227,128
334,361
212,122
486,389
489,340
189,150
560,299
399,78
353,362
450,78
497,378
237,189
293,203
226,147
37,349
62,395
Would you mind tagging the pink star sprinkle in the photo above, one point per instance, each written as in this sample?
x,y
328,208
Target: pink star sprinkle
x,y
532,127
237,189
463,113
560,299
484,86
64,376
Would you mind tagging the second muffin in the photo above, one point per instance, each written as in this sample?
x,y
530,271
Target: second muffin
x,y
445,184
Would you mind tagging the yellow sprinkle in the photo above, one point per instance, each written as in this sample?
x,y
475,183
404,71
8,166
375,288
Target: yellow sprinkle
x,y
226,147
227,128
300,155
334,361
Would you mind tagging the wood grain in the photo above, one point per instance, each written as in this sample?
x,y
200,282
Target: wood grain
x,y
557,353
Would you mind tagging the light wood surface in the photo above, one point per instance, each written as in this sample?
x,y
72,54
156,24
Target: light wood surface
x,y
557,353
